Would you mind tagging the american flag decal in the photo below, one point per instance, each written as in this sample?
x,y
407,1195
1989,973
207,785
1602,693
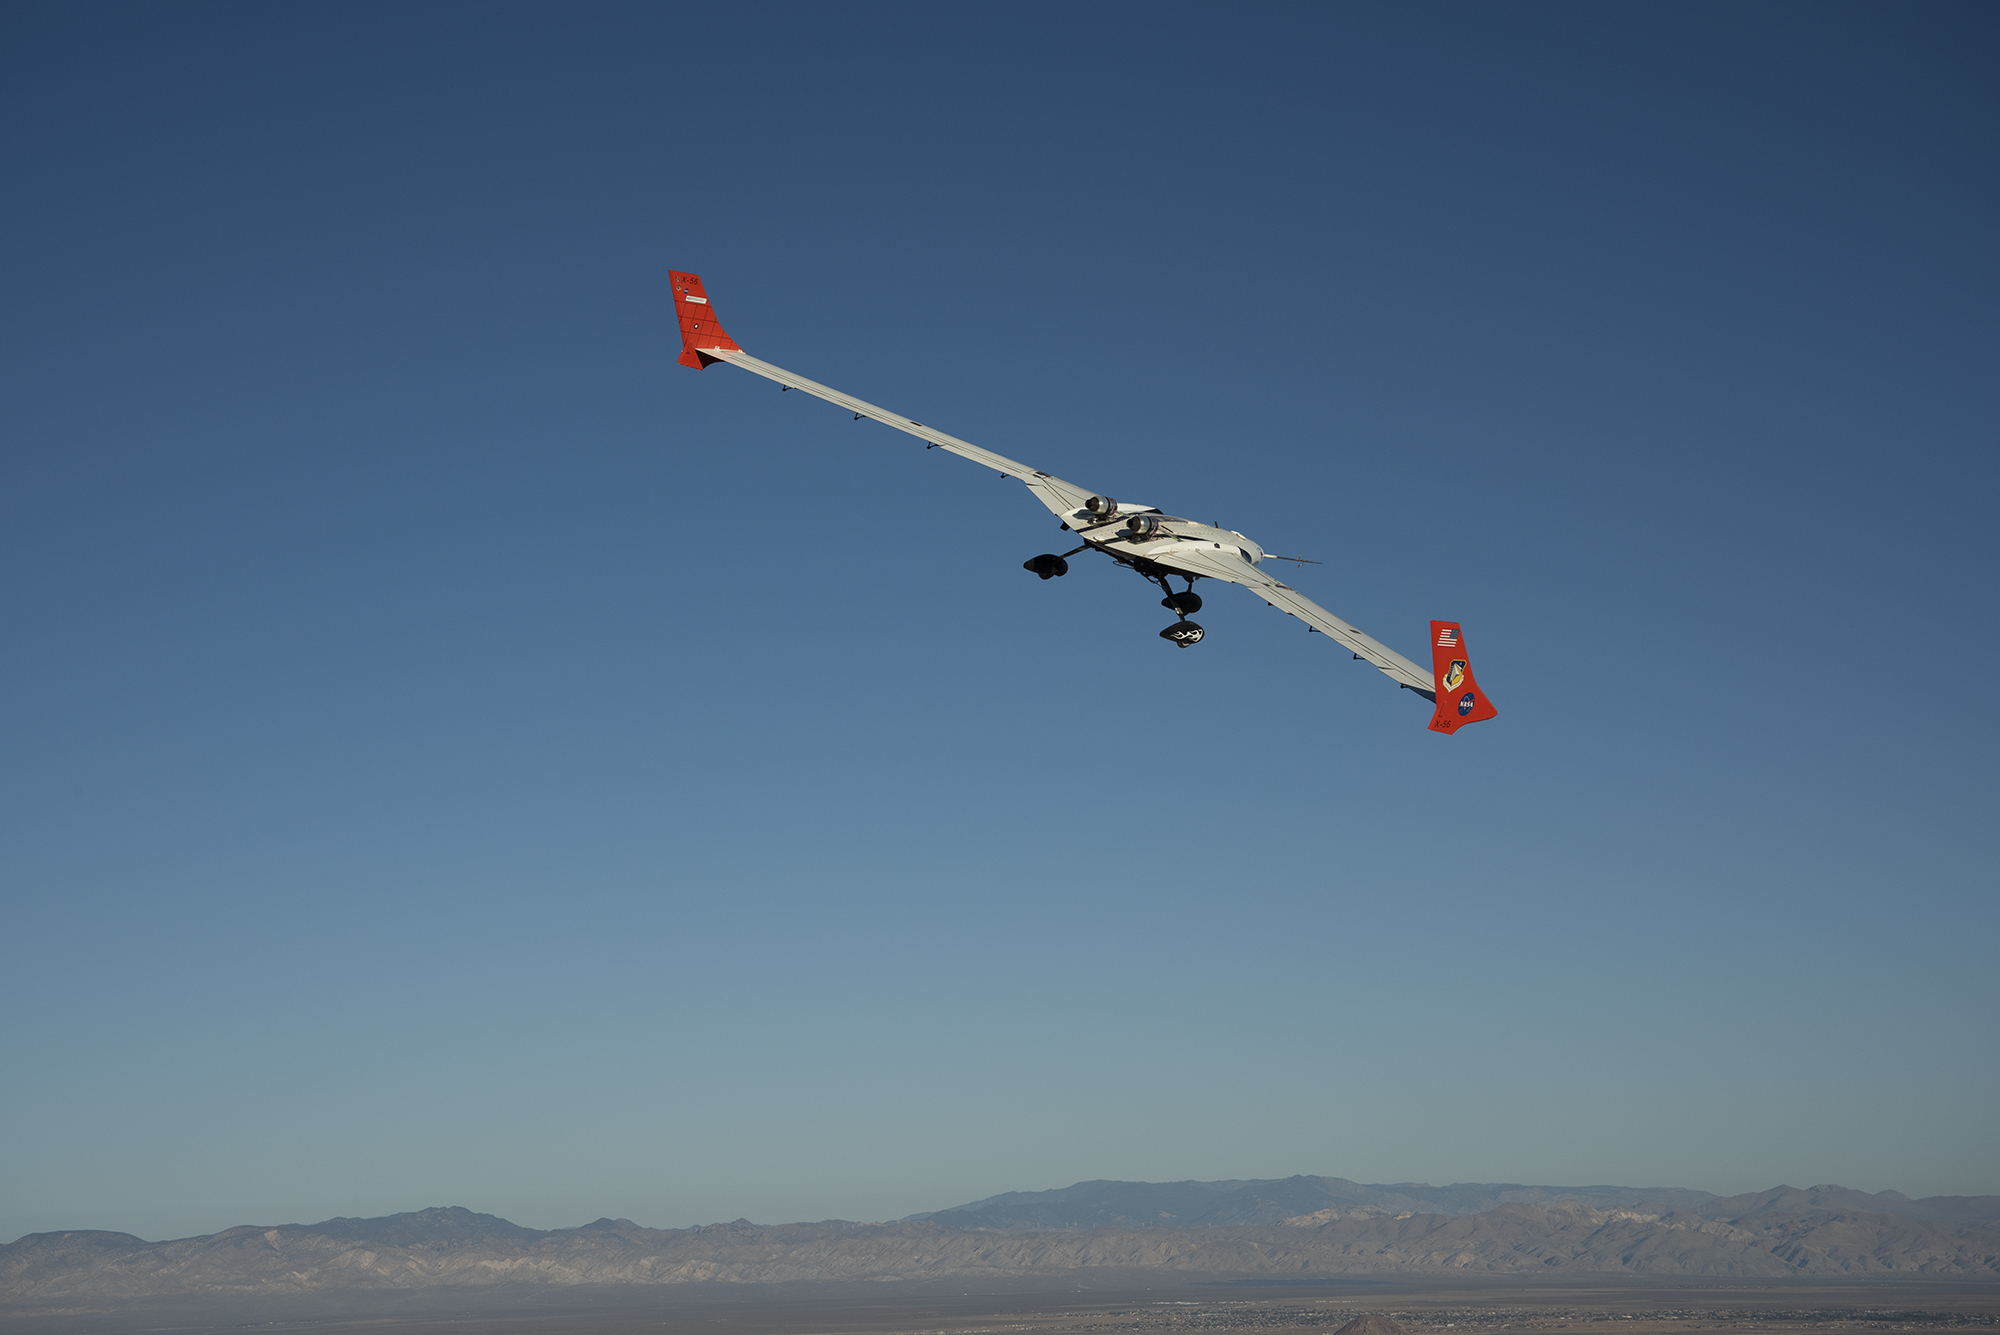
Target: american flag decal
x,y
1447,638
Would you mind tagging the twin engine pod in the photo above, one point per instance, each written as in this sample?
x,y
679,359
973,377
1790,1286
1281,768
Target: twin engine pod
x,y
1139,527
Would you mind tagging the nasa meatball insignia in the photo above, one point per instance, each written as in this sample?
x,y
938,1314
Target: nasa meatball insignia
x,y
1465,704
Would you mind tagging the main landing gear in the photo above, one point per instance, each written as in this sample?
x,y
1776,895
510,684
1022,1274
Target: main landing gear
x,y
1183,632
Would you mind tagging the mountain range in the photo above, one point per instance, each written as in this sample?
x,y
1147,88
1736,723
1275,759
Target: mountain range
x,y
1106,1204
1217,1229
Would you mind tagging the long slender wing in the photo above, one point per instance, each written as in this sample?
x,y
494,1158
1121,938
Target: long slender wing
x,y
703,342
1064,498
1227,565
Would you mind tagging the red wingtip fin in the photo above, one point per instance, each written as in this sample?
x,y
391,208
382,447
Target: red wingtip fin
x,y
1459,699
699,327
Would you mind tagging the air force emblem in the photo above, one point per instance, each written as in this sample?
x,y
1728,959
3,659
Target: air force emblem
x,y
1455,674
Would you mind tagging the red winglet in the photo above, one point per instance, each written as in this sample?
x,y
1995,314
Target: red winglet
x,y
1459,699
699,328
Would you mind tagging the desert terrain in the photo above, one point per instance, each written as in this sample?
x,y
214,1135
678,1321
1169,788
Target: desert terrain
x,y
1101,1304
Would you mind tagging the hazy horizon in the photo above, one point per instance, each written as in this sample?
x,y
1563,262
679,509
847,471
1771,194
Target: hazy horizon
x,y
727,1218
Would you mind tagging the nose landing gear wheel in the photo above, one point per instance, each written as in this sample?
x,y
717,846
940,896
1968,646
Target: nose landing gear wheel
x,y
1182,633
1185,604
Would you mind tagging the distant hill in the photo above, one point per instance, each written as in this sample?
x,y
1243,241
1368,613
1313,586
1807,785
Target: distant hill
x,y
1982,1211
1783,1232
1107,1204
429,1227
1269,1200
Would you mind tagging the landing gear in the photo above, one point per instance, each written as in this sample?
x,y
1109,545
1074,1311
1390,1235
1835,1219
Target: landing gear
x,y
1047,566
1183,632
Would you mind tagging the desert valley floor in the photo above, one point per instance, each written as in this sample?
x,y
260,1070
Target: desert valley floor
x,y
1104,1305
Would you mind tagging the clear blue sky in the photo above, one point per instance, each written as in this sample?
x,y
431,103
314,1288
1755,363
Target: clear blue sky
x,y
452,754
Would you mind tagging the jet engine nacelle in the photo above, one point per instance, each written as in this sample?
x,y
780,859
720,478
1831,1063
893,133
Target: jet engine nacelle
x,y
1103,507
1143,527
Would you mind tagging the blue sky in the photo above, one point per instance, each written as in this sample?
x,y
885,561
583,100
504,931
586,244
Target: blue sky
x,y
452,754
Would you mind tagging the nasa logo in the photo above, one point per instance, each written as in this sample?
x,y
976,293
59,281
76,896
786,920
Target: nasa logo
x,y
1455,674
1465,703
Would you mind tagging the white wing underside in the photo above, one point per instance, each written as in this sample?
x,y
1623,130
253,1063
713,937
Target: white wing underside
x,y
1229,566
1065,499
